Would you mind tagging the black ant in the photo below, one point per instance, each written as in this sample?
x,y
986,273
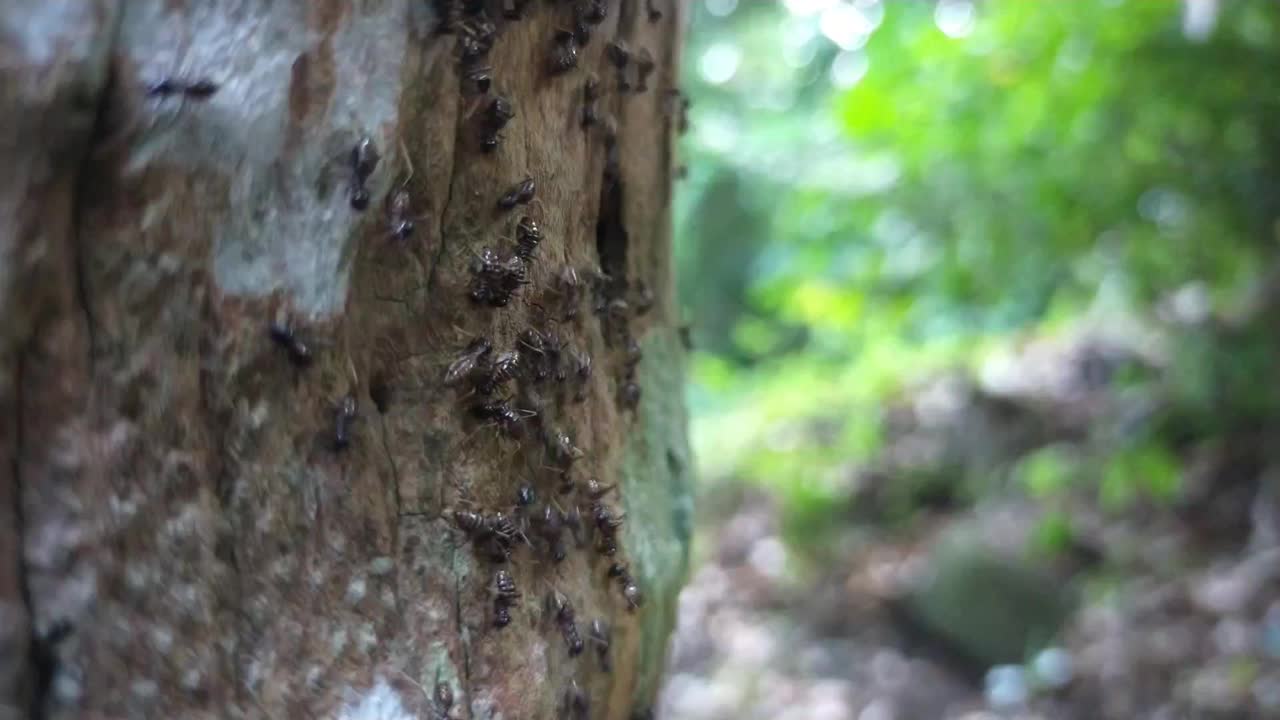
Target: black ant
x,y
513,9
364,160
644,67
298,350
629,395
607,524
601,638
562,611
654,13
398,217
630,590
347,414
619,57
503,370
496,531
677,104
475,354
444,700
596,490
497,115
644,298
590,94
632,356
447,11
528,236
686,336
563,451
581,30
521,194
477,79
564,54
202,89
504,597
495,279
546,350
502,414
550,526
582,374
570,293
577,706
594,11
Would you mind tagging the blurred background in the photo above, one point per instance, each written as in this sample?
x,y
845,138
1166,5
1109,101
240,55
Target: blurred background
x,y
985,306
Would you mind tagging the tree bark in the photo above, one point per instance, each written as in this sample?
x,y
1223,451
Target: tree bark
x,y
182,532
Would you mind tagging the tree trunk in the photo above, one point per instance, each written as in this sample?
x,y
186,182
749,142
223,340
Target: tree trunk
x,y
192,524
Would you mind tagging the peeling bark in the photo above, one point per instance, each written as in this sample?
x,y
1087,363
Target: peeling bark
x,y
184,529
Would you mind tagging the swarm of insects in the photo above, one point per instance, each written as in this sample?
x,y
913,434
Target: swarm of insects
x,y
364,160
496,117
521,194
505,596
201,89
564,52
600,638
561,610
627,584
346,415
298,350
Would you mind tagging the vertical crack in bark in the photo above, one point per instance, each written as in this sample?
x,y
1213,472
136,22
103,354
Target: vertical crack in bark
x,y
391,460
464,678
42,657
458,125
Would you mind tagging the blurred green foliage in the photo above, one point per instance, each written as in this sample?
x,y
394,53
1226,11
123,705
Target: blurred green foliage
x,y
881,190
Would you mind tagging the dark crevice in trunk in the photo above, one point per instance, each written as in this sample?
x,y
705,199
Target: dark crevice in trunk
x,y
611,234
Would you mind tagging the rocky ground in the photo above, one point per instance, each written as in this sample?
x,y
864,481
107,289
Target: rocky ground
x,y
1169,611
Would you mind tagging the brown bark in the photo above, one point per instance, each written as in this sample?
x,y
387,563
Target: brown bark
x,y
180,535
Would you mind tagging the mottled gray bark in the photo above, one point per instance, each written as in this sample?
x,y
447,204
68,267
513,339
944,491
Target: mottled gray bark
x,y
179,535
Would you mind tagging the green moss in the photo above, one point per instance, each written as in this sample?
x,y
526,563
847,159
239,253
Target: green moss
x,y
658,499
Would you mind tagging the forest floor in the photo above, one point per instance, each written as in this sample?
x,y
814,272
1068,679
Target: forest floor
x,y
1178,617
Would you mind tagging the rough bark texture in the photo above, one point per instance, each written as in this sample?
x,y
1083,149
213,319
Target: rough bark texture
x,y
179,536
